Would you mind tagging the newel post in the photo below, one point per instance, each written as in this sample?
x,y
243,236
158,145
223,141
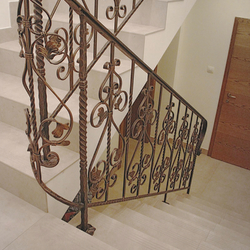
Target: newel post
x,y
83,126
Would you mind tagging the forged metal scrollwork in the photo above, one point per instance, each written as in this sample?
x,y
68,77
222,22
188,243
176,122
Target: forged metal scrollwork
x,y
178,145
166,155
191,150
163,162
116,11
38,43
112,97
136,172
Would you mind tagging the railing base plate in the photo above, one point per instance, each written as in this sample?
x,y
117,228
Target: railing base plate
x,y
90,229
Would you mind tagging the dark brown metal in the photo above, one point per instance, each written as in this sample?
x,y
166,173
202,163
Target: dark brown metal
x,y
156,154
83,98
43,106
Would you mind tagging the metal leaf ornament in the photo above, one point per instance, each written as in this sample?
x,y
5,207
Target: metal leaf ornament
x,y
58,131
51,47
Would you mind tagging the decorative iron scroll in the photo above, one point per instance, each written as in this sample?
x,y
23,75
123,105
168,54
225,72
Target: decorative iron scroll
x,y
112,97
38,42
154,154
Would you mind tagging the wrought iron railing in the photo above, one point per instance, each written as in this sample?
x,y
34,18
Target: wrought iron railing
x,y
152,152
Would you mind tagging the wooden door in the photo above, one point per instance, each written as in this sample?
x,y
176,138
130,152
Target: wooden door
x,y
231,135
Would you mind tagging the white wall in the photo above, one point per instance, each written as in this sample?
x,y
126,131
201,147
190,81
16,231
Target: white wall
x,y
204,41
4,14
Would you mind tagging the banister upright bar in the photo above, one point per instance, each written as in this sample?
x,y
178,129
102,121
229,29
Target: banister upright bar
x,y
43,103
83,122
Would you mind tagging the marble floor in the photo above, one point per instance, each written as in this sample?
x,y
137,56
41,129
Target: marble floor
x,y
22,225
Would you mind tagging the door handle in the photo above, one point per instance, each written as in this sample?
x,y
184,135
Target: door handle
x,y
231,96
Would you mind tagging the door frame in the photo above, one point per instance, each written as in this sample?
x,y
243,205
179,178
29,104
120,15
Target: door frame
x,y
223,87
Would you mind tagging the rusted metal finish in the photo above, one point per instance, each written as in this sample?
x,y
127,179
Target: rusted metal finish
x,y
35,39
40,67
156,151
83,99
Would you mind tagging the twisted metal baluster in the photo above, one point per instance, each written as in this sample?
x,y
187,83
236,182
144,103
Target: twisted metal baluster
x,y
26,36
155,138
128,125
40,66
186,149
83,126
71,56
144,131
172,150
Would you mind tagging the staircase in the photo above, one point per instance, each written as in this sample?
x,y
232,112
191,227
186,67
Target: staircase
x,y
16,170
139,222
188,223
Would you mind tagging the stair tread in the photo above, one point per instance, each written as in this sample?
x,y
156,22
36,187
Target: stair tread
x,y
210,205
14,141
35,229
162,216
224,242
196,211
225,213
122,235
207,246
230,233
177,236
225,224
192,218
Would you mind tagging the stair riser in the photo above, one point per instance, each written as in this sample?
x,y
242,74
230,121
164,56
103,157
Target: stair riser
x,y
132,40
67,183
23,186
12,113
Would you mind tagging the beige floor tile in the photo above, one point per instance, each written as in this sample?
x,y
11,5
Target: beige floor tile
x,y
54,234
16,217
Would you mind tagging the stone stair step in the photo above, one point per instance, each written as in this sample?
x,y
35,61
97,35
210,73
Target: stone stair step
x,y
17,177
224,242
194,210
145,14
230,233
214,208
23,226
224,221
120,235
161,216
187,216
210,207
206,246
133,35
166,232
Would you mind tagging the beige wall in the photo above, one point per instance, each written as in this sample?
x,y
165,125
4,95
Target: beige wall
x,y
167,65
204,41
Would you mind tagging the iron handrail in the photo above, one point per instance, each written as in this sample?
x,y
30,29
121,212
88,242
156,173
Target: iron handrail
x,y
184,141
80,10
